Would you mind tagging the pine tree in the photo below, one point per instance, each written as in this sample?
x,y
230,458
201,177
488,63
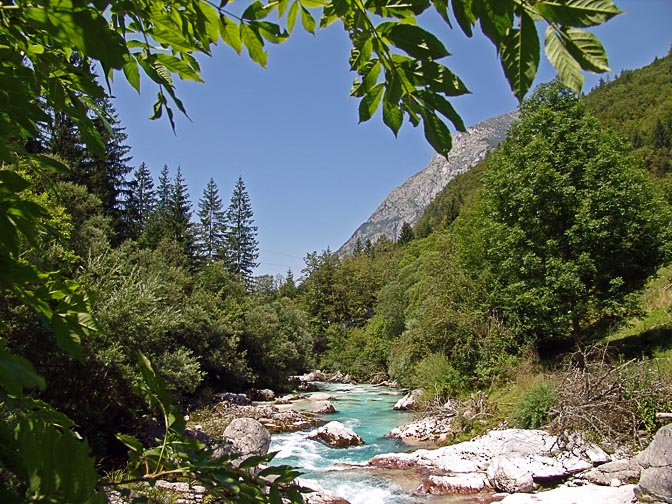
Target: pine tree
x,y
212,226
140,202
406,234
288,286
104,176
241,236
177,220
164,190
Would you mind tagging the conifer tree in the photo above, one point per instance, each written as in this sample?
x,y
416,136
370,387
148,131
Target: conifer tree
x,y
406,234
164,190
212,224
140,202
288,285
242,248
177,221
103,175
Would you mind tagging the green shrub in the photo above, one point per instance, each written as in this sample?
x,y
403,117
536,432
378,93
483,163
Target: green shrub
x,y
533,408
436,375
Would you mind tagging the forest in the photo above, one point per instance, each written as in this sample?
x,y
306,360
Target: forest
x,y
124,302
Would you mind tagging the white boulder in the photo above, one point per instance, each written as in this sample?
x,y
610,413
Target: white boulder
x,y
337,435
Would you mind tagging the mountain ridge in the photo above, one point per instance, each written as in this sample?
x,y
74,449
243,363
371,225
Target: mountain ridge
x,y
407,202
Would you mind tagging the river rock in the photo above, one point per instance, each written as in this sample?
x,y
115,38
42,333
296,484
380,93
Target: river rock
x,y
410,401
655,483
321,396
238,399
431,428
264,395
615,473
248,436
337,435
474,455
318,494
464,484
316,375
339,377
588,494
269,416
323,408
509,475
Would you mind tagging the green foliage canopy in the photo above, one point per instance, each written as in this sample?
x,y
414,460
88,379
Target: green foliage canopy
x,y
397,61
568,222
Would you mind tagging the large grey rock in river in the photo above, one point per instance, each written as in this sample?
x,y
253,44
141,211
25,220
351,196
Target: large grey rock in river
x,y
407,202
248,436
655,484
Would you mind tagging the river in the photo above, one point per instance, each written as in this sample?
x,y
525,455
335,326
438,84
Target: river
x,y
368,410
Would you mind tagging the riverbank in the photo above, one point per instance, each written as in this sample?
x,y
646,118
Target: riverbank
x,y
509,465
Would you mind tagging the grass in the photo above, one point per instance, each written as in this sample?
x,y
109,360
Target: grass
x,y
649,335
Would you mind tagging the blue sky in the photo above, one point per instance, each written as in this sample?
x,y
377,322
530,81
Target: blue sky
x,y
312,172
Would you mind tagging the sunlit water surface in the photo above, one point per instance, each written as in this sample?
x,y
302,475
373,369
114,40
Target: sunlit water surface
x,y
368,410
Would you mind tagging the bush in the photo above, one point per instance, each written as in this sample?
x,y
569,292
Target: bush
x,y
534,406
435,374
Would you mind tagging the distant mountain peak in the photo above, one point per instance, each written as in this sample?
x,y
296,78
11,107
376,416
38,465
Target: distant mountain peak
x,y
407,202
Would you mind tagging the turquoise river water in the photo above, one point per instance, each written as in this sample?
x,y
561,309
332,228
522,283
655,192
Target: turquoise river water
x,y
368,410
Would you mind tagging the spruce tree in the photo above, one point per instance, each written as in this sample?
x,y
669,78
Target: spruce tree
x,y
164,190
140,202
242,248
212,226
406,234
177,220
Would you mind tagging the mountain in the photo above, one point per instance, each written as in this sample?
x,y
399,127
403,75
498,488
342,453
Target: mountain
x,y
407,202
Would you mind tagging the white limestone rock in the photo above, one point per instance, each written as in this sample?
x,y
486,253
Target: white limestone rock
x,y
337,435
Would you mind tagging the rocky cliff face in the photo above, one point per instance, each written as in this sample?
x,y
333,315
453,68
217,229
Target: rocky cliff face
x,y
407,202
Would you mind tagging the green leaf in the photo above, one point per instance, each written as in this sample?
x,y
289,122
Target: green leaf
x,y
359,55
291,16
586,49
464,15
369,104
16,373
436,132
414,41
274,496
131,443
307,20
131,72
328,16
230,32
255,11
392,116
269,31
577,12
437,102
440,79
567,67
496,19
254,44
83,29
441,7
179,67
314,4
520,56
